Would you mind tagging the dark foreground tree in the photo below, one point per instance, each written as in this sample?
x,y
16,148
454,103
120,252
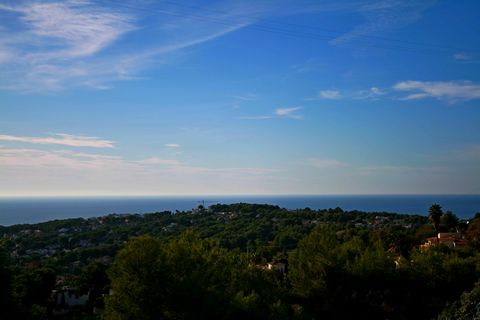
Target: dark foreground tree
x,y
93,280
32,290
449,222
329,272
7,307
434,214
466,308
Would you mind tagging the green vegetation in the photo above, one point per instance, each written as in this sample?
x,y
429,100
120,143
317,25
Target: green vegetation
x,y
242,261
434,214
189,278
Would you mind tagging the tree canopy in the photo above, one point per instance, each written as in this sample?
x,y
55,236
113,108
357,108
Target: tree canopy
x,y
434,214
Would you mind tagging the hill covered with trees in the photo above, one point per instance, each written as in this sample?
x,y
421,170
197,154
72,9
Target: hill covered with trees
x,y
243,260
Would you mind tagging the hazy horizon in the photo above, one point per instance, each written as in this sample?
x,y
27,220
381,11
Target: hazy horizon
x,y
199,196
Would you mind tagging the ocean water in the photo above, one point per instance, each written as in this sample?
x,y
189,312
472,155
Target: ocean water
x,y
34,210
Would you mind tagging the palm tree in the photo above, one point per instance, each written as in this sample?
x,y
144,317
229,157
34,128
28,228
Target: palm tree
x,y
434,214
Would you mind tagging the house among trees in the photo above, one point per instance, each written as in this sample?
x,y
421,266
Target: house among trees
x,y
279,265
450,239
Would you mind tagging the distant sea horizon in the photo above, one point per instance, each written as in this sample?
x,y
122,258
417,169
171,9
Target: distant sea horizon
x,y
30,210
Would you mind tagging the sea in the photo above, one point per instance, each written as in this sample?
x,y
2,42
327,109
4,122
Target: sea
x,y
40,209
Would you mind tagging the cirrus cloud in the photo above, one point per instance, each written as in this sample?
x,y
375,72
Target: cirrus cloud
x,y
54,45
329,94
58,172
451,91
288,112
63,139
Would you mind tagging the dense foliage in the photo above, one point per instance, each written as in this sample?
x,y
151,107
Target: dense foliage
x,y
189,278
243,261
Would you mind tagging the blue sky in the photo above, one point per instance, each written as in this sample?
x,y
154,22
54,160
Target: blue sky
x,y
239,97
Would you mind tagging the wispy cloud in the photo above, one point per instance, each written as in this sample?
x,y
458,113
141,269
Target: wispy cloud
x,y
79,28
172,145
311,64
62,44
53,41
54,171
256,117
466,57
246,97
373,93
462,56
329,94
13,158
398,169
186,43
62,139
450,91
288,112
383,16
81,161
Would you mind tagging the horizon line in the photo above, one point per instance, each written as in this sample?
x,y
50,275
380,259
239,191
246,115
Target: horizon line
x,y
229,195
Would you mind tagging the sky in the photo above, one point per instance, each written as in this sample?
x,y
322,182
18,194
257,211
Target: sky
x,y
239,97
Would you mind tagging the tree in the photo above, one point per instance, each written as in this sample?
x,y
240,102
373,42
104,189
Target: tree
x,y
7,306
32,289
434,214
189,278
467,307
449,221
94,280
329,272
138,281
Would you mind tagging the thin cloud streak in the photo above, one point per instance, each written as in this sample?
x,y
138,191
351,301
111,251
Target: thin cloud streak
x,y
62,139
462,56
256,118
383,16
26,159
198,41
63,45
329,94
450,91
247,97
373,93
466,57
288,113
35,158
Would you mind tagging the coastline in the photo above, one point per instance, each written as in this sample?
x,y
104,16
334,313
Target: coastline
x,y
21,210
